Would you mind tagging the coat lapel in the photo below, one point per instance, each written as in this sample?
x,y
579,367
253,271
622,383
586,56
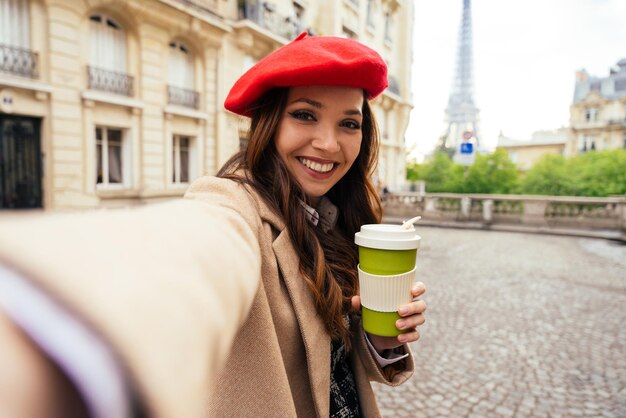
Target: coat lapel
x,y
316,339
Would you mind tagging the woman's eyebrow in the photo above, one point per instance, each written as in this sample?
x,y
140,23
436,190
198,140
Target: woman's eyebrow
x,y
318,105
313,103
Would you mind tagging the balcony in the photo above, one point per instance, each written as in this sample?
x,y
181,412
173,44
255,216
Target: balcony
x,y
18,61
264,14
183,97
109,81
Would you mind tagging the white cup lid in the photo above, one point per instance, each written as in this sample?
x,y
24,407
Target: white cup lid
x,y
387,237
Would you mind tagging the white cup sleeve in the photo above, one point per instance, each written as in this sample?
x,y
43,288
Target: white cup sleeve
x,y
385,293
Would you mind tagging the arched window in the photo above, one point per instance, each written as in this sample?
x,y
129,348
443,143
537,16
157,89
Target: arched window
x,y
107,41
14,23
181,66
181,78
15,55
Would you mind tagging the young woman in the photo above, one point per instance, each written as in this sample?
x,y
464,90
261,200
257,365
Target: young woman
x,y
305,173
239,301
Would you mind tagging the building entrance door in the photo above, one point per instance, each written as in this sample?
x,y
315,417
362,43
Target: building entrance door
x,y
20,162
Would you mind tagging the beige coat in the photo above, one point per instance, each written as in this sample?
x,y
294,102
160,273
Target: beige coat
x,y
171,287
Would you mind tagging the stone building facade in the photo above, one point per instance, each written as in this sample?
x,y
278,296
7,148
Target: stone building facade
x,y
525,153
119,102
598,112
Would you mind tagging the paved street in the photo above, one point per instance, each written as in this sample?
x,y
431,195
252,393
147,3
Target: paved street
x,y
517,325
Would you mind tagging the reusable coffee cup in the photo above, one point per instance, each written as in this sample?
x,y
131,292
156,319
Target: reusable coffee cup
x,y
387,256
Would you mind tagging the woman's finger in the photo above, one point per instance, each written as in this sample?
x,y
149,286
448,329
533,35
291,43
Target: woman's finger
x,y
418,289
416,307
410,322
409,337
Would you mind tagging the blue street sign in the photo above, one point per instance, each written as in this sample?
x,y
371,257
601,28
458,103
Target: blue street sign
x,y
467,148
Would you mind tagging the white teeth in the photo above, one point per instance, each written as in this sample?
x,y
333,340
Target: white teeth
x,y
315,166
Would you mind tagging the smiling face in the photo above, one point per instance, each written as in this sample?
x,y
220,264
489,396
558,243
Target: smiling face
x,y
319,135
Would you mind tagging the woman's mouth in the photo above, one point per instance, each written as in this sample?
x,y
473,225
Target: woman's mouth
x,y
315,166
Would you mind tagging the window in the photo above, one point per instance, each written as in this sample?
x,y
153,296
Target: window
x,y
587,143
183,158
370,14
107,62
181,80
14,23
107,42
388,27
112,157
181,63
591,114
298,10
243,143
15,55
349,33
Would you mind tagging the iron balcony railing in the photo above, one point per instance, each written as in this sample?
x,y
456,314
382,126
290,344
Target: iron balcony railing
x,y
110,81
18,61
264,14
183,97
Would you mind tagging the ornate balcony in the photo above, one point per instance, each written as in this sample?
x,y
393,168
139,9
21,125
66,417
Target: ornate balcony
x,y
110,81
18,61
183,97
265,15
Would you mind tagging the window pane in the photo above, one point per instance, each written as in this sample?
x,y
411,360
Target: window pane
x,y
99,162
114,139
174,165
184,164
115,163
114,136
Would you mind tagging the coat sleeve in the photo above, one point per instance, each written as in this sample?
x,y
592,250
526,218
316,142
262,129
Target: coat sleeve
x,y
166,286
393,374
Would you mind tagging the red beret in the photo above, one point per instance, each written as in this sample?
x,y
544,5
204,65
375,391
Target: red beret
x,y
310,61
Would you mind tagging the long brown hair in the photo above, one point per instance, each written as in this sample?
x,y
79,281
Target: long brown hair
x,y
327,260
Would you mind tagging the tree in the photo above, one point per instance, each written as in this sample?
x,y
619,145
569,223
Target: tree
x,y
491,173
548,176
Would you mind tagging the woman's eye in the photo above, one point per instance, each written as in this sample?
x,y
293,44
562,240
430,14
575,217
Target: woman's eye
x,y
351,124
302,115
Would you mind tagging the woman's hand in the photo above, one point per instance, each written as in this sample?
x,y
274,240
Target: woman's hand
x,y
412,316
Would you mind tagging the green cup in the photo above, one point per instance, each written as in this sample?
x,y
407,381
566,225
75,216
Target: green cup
x,y
387,255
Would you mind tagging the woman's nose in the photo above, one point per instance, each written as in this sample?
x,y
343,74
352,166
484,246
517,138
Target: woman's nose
x,y
325,139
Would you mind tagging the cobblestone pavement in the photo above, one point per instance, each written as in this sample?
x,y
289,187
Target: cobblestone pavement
x,y
518,325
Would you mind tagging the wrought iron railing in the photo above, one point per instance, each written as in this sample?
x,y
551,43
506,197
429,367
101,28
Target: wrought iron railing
x,y
264,14
18,61
183,97
110,81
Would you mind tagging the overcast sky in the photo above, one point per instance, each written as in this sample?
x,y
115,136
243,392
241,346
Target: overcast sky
x,y
526,54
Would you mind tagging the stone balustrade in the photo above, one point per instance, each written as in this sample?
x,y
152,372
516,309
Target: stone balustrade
x,y
584,216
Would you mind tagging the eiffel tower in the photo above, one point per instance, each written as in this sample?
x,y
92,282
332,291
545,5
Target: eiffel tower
x,y
461,114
